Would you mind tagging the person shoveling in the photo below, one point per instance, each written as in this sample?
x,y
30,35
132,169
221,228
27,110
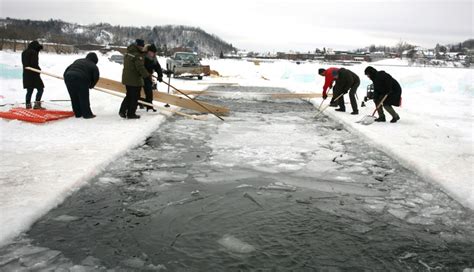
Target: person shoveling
x,y
387,92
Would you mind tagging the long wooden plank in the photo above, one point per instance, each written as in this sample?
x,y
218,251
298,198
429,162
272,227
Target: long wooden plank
x,y
121,95
113,85
270,95
98,88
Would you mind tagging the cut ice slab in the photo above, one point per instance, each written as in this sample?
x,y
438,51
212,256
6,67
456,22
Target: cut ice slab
x,y
235,245
66,218
165,176
229,176
333,186
279,186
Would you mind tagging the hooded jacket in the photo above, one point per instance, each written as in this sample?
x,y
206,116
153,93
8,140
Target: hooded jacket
x,y
86,68
29,58
384,84
133,67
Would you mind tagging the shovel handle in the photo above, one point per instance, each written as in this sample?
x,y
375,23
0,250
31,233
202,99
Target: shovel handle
x,y
380,104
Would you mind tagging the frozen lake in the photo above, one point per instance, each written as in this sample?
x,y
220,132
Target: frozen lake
x,y
271,188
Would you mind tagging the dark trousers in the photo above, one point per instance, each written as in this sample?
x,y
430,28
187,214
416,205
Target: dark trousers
x,y
352,97
148,88
388,108
130,102
78,89
29,93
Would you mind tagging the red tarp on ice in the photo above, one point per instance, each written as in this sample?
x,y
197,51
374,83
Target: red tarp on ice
x,y
35,116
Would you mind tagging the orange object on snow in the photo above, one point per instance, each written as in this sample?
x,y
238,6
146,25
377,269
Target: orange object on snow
x,y
35,116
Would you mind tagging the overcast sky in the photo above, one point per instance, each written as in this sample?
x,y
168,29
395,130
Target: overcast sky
x,y
275,25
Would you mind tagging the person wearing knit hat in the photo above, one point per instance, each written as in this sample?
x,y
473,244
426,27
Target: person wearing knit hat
x,y
132,77
152,65
32,80
140,43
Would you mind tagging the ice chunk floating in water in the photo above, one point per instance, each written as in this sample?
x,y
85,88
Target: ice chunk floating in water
x,y
235,245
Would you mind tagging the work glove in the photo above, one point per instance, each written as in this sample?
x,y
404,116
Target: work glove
x,y
325,96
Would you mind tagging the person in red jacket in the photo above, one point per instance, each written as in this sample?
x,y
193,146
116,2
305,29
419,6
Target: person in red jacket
x,y
328,80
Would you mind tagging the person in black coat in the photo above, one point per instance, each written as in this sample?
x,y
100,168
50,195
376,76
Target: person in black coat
x,y
346,81
151,65
32,80
385,84
79,77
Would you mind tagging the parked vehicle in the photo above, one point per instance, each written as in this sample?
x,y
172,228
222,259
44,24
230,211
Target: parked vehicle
x,y
116,58
185,64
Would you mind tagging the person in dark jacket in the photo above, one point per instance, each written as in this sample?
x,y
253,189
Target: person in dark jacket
x,y
385,84
132,77
32,80
151,65
79,77
346,81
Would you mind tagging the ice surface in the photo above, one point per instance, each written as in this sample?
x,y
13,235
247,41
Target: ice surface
x,y
46,163
235,245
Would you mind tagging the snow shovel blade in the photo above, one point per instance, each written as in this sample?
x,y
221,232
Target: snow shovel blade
x,y
367,120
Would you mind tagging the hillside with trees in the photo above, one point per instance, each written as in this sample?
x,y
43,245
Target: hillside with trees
x,y
165,37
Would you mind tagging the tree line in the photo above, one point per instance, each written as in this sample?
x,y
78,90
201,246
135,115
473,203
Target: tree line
x,y
164,37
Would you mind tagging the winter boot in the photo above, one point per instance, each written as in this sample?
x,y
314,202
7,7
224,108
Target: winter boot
x,y
395,119
355,112
380,119
341,109
37,106
134,116
90,116
28,106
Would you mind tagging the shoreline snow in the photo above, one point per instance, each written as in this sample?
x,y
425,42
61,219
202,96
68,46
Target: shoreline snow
x,y
43,164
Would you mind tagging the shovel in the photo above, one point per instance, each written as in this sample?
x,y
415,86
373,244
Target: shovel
x,y
327,106
369,119
320,105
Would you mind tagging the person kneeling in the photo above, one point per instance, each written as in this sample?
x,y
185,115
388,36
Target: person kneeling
x,y
79,77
